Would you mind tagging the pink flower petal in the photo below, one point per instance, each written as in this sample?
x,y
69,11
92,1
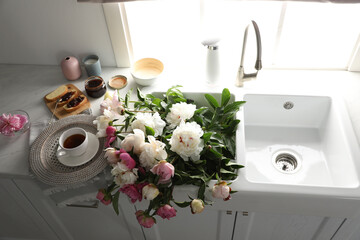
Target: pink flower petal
x,y
127,160
15,122
109,140
23,119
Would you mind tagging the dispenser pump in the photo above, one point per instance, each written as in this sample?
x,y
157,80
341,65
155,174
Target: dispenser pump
x,y
212,61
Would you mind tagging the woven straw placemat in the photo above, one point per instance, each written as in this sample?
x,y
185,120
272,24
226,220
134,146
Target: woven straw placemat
x,y
44,163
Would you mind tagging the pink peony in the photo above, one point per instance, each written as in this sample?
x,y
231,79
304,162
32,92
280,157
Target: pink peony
x,y
165,170
132,192
166,211
111,135
144,219
105,199
127,159
12,123
221,190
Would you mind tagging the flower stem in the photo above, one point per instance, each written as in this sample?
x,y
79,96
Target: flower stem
x,y
142,111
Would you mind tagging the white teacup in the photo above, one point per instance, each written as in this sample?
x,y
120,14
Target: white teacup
x,y
73,142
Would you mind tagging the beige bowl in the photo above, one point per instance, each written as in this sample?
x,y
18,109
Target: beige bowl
x,y
146,70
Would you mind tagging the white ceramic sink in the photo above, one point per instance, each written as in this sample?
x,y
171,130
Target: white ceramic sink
x,y
315,132
298,140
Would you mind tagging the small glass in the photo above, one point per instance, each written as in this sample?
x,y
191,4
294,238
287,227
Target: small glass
x,y
6,125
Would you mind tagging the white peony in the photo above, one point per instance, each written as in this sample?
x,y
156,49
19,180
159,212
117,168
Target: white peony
x,y
122,175
151,120
150,192
111,155
102,122
180,112
114,105
153,151
186,140
134,141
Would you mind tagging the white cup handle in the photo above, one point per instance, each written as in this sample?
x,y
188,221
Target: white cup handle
x,y
61,153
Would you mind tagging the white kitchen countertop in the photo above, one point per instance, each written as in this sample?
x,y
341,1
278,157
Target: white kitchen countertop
x,y
24,86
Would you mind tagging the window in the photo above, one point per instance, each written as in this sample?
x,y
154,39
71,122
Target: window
x,y
299,35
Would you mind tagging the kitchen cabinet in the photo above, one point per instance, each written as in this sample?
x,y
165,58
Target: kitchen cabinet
x,y
211,224
18,218
215,224
265,226
27,213
349,230
84,220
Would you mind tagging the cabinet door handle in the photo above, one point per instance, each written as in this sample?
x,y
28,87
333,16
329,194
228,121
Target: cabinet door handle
x,y
93,204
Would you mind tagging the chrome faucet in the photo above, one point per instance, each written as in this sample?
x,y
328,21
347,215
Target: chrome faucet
x,y
241,75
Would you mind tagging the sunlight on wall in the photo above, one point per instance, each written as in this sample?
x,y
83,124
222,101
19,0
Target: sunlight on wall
x,y
309,35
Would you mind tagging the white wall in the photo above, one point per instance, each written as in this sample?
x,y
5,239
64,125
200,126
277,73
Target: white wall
x,y
45,31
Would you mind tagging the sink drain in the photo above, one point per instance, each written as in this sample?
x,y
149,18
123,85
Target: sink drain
x,y
286,162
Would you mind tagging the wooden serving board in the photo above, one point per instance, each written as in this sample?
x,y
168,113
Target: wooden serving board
x,y
60,112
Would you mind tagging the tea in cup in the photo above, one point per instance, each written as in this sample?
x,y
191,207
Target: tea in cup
x,y
73,142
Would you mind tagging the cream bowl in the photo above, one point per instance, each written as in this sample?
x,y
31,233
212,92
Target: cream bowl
x,y
146,70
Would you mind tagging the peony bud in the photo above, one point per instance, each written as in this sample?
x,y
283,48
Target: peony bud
x,y
164,170
111,135
144,219
103,197
150,192
197,206
221,190
166,211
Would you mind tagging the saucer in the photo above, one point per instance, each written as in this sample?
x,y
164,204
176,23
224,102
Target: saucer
x,y
92,149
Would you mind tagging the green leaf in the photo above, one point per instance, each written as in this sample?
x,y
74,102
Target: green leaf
x,y
115,202
140,95
183,204
198,120
233,107
215,153
201,110
225,97
157,102
149,131
234,165
222,170
201,192
150,96
212,101
206,136
231,128
200,162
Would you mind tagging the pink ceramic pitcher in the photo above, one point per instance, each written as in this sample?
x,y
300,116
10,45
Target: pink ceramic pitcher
x,y
70,66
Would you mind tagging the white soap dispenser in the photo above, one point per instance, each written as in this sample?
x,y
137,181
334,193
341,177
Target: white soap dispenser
x,y
212,62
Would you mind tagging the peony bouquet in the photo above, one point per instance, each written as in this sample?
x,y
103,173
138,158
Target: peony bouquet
x,y
156,143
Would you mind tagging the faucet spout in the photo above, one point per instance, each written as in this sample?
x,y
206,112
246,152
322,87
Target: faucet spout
x,y
241,75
